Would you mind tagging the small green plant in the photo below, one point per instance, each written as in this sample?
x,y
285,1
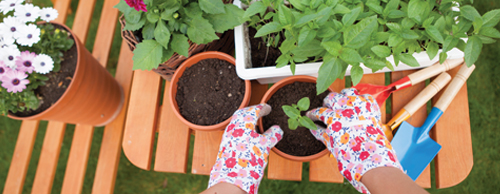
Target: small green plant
x,y
343,33
296,119
168,26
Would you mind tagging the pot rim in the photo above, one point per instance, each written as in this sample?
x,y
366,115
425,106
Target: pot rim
x,y
270,92
178,73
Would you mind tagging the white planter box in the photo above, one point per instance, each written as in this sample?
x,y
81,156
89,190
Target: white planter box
x,y
267,75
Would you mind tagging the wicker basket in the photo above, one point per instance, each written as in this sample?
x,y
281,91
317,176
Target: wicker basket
x,y
225,44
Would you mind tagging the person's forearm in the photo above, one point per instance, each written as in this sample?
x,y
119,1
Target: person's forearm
x,y
390,180
224,188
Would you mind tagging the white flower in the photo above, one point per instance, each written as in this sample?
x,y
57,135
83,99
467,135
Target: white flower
x,y
43,63
48,14
8,5
11,26
27,12
9,56
29,35
6,41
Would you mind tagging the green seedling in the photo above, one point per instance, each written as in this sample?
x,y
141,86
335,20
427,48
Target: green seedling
x,y
296,119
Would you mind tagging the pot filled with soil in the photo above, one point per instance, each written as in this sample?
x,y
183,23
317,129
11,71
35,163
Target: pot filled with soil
x,y
81,92
298,144
205,91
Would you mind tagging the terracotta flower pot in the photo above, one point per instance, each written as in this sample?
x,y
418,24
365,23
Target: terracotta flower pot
x,y
93,97
190,62
270,92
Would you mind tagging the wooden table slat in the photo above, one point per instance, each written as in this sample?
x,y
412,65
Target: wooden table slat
x,y
77,160
283,169
452,131
173,139
140,124
21,158
206,147
62,7
83,17
105,32
399,100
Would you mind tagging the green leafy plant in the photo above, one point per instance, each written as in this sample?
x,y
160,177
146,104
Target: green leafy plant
x,y
343,33
296,119
168,26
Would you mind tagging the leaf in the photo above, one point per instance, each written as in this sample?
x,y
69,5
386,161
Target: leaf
x,y
307,122
381,51
254,8
409,60
268,29
374,5
167,54
324,12
394,27
152,17
356,74
442,57
432,50
134,16
282,61
409,34
148,31
375,64
333,47
341,9
311,49
228,20
469,12
200,31
472,50
212,6
449,43
147,55
287,45
486,40
291,112
382,37
297,4
435,34
349,18
394,40
293,123
491,18
135,26
357,35
408,23
285,15
180,44
123,7
350,56
162,34
391,6
170,8
329,71
490,32
303,104
417,10
395,14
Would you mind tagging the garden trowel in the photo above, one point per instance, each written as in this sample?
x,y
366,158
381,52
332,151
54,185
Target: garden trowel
x,y
381,93
414,148
418,101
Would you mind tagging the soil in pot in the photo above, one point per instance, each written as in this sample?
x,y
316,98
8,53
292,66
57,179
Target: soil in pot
x,y
259,50
58,82
299,142
209,92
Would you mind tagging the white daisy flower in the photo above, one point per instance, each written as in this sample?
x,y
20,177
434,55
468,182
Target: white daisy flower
x,y
9,56
6,41
29,35
48,14
27,13
8,5
43,63
11,26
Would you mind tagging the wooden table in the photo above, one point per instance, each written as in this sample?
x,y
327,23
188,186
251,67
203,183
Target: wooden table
x,y
149,116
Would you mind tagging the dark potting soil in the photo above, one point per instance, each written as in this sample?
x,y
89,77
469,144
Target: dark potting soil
x,y
58,82
298,142
209,92
259,50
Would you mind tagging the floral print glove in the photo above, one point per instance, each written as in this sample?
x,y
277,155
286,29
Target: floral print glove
x,y
243,152
354,135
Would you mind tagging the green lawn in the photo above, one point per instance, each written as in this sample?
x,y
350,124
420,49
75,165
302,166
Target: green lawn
x,y
484,90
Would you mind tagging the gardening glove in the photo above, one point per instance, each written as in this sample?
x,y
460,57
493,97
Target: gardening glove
x,y
243,152
354,134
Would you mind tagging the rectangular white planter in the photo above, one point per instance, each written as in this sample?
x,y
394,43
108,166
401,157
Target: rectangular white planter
x,y
267,75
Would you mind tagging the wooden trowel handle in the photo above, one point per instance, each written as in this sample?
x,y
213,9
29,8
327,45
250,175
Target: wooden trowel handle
x,y
426,94
434,70
455,86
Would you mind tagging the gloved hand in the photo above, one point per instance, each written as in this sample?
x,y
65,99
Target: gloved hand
x,y
243,152
354,134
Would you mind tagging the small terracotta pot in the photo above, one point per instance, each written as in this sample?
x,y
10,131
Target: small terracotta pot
x,y
270,92
93,97
190,62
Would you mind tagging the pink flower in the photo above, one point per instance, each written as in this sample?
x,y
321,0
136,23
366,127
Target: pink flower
x,y
232,174
340,166
15,81
371,147
24,62
347,175
261,162
238,132
218,165
231,162
262,140
359,168
278,136
346,155
357,110
254,134
342,101
230,127
239,183
3,69
368,107
364,155
254,174
371,130
242,173
241,147
376,158
347,113
391,156
336,126
248,118
138,5
252,189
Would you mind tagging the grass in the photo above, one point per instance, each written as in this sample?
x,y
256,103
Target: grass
x,y
484,92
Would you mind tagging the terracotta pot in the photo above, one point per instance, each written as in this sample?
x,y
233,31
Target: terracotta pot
x,y
93,97
270,92
190,62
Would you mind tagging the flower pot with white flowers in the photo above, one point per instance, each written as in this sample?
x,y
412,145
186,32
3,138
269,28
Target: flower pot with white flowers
x,y
47,74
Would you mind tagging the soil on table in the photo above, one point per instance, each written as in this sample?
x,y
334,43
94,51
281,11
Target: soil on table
x,y
58,82
259,50
298,142
209,92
